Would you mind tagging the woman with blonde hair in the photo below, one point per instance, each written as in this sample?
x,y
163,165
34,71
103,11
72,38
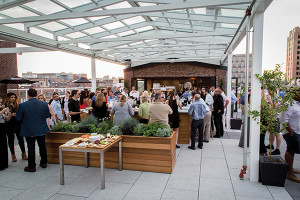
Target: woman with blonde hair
x,y
144,110
42,97
100,107
122,111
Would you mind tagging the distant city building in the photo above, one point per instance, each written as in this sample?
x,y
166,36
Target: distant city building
x,y
292,54
238,67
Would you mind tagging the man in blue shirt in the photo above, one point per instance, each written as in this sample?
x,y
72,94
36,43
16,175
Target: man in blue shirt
x,y
233,101
186,94
111,96
198,111
281,93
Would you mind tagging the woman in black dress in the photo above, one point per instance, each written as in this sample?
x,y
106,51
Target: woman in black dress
x,y
13,126
100,108
174,117
4,117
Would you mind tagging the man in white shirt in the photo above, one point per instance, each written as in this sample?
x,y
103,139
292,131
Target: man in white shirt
x,y
134,94
212,90
56,107
207,119
292,118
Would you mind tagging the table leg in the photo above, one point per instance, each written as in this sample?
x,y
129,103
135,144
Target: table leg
x,y
61,164
102,171
86,158
120,155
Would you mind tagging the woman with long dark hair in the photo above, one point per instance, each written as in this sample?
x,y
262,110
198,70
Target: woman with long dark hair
x,y
83,102
13,126
174,117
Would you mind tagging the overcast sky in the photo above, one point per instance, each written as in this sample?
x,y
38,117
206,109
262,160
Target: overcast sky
x,y
281,17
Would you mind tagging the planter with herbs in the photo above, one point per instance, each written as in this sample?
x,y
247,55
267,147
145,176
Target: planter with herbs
x,y
145,147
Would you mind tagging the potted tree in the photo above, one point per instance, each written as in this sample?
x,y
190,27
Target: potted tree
x,y
273,169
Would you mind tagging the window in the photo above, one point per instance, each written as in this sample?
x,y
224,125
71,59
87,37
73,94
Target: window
x,y
297,68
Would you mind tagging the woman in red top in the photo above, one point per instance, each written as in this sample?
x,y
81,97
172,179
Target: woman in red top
x,y
83,103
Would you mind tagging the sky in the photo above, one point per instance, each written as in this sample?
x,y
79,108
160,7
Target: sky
x,y
279,19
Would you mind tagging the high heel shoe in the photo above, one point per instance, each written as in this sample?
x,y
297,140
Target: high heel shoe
x,y
13,157
24,157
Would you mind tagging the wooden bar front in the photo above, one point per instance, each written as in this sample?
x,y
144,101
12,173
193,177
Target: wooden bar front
x,y
184,128
153,154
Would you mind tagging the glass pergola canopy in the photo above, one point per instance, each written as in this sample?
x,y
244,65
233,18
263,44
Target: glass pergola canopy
x,y
135,30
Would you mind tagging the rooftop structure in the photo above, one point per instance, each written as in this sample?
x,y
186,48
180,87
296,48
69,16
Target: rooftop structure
x,y
293,54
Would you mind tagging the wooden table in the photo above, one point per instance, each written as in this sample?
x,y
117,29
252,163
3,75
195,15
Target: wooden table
x,y
86,150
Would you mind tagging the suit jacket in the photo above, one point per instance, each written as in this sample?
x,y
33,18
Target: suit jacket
x,y
32,115
218,104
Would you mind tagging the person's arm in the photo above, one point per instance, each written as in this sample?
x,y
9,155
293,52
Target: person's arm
x,y
131,113
226,103
191,109
4,110
286,117
179,104
170,111
54,117
19,115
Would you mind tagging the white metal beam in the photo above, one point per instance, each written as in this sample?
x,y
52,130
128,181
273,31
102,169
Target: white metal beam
x,y
22,50
6,4
135,10
150,37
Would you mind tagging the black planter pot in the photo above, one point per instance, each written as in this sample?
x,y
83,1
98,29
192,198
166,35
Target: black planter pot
x,y
236,124
273,172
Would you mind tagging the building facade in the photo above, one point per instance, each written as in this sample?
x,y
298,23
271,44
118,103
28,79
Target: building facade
x,y
8,66
292,54
239,68
145,77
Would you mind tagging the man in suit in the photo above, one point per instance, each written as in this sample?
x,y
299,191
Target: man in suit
x,y
32,115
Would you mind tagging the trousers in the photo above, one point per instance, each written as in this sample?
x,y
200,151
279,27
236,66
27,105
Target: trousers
x,y
218,119
197,125
31,150
207,126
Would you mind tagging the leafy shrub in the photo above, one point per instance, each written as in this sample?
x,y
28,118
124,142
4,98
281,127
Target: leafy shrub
x,y
92,128
163,132
104,126
151,129
115,130
128,125
138,130
89,120
62,127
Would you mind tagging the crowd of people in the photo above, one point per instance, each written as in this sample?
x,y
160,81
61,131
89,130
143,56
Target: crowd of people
x,y
34,118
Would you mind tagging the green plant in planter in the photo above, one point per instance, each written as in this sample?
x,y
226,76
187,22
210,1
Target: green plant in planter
x,y
163,132
115,130
128,125
272,80
62,127
138,130
104,126
152,128
89,120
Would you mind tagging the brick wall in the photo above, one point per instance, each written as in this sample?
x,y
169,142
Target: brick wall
x,y
174,70
8,66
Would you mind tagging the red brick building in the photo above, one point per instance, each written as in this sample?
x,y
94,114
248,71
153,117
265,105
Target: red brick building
x,y
175,74
8,66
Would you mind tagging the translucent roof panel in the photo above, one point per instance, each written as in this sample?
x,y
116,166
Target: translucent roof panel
x,y
53,26
123,4
113,25
145,29
94,30
76,35
45,6
74,3
74,22
134,20
18,12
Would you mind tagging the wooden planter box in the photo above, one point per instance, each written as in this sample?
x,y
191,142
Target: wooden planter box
x,y
153,154
184,135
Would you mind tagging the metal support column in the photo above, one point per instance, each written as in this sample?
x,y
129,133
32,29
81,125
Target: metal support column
x,y
93,68
102,170
61,165
229,75
258,21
